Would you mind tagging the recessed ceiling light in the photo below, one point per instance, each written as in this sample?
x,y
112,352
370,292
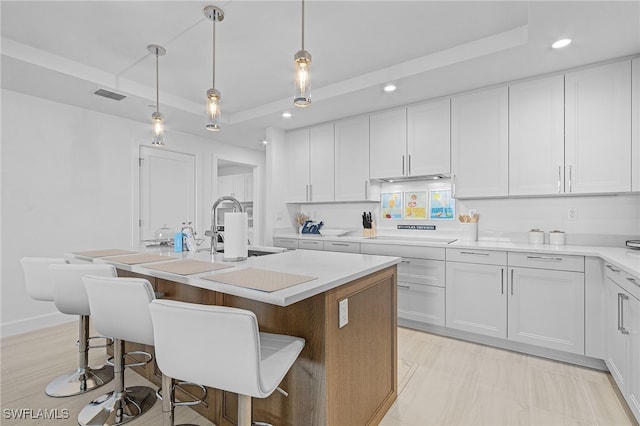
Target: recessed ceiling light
x,y
286,114
390,87
561,43
264,141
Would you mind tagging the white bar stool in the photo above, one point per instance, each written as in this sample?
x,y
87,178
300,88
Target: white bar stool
x,y
70,298
220,347
119,308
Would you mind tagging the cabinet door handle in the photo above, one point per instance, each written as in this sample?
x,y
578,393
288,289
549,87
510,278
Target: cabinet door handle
x,y
612,269
633,280
512,282
340,244
403,286
559,176
502,281
453,185
366,189
474,253
403,165
409,166
570,172
306,197
621,298
310,192
405,261
556,259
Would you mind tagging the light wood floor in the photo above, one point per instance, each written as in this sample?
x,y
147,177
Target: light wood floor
x,y
442,381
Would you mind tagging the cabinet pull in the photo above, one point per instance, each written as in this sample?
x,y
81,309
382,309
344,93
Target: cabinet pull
x,y
453,185
570,167
366,189
409,166
310,193
502,281
512,282
612,269
621,298
559,177
474,253
403,286
340,244
556,259
405,261
306,197
633,280
403,165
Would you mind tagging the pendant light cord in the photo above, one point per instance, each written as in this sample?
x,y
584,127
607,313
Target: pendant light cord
x,y
302,24
213,62
157,84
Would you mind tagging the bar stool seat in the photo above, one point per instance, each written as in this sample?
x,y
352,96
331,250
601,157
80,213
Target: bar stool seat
x,y
220,347
70,298
119,308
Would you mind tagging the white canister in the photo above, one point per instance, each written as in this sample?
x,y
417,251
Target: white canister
x,y
469,231
557,237
536,236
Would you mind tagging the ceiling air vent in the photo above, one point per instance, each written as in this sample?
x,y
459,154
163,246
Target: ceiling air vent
x,y
111,95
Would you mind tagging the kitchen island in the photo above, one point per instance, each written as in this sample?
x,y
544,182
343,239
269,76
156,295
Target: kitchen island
x,y
345,375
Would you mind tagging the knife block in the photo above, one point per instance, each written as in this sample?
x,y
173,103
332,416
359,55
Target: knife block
x,y
369,232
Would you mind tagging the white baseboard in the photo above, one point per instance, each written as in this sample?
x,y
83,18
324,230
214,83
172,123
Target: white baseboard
x,y
34,323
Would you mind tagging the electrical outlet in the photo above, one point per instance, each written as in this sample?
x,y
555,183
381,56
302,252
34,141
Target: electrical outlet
x,y
572,213
343,313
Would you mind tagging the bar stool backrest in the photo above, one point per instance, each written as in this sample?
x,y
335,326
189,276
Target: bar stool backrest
x,y
69,294
36,276
119,307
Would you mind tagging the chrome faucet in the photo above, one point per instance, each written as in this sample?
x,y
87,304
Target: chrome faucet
x,y
213,232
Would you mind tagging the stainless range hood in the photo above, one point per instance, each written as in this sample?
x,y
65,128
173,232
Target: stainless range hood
x,y
413,178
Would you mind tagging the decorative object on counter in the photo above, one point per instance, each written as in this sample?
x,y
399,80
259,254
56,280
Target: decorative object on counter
x,y
177,242
392,205
469,226
302,61
441,205
214,14
157,118
310,227
536,236
557,238
633,244
236,246
415,205
301,219
188,240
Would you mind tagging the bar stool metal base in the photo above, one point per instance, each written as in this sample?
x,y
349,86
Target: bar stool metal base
x,y
115,408
80,381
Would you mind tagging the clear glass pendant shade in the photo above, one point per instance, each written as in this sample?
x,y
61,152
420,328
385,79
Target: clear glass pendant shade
x,y
301,96
213,110
158,129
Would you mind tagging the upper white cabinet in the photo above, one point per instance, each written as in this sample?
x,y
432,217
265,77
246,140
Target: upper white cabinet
x,y
635,125
598,129
536,137
429,138
352,160
310,164
480,143
388,144
239,186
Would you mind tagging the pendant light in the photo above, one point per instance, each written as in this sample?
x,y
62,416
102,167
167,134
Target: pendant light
x,y
302,61
157,118
214,14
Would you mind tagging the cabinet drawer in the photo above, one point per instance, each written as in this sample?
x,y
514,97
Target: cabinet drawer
x,y
344,246
290,243
487,257
310,244
421,271
414,252
623,279
547,261
422,303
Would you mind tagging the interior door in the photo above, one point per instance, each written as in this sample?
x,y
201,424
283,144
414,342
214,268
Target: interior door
x,y
167,190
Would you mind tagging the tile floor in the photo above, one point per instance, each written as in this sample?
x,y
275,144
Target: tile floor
x,y
441,381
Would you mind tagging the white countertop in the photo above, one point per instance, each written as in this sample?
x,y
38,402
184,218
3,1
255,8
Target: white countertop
x,y
626,259
331,269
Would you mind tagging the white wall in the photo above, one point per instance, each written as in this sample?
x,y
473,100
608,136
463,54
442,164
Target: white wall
x,y
69,182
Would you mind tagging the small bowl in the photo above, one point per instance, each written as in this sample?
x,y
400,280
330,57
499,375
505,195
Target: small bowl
x,y
332,232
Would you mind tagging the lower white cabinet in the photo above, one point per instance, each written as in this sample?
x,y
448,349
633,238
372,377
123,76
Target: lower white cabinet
x,y
546,308
421,303
311,244
288,243
475,298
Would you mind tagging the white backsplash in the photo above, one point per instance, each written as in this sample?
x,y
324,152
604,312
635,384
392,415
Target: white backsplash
x,y
601,220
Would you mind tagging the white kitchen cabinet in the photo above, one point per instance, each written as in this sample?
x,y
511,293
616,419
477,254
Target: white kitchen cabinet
x,y
311,244
635,125
475,298
388,144
634,367
421,293
352,161
429,138
480,143
288,243
598,129
546,308
239,186
536,137
617,342
310,164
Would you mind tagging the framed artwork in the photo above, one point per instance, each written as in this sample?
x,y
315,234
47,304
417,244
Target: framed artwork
x,y
441,205
415,205
392,205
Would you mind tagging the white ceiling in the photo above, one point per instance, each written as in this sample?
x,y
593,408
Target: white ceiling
x,y
65,50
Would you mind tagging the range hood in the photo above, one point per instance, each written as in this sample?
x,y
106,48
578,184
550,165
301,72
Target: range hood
x,y
413,178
